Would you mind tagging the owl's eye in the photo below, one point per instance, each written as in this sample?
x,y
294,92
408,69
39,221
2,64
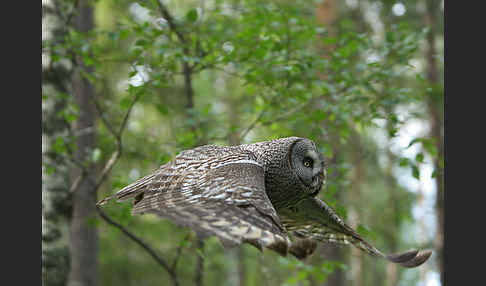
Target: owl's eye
x,y
307,162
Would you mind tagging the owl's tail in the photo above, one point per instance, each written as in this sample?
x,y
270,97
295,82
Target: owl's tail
x,y
131,191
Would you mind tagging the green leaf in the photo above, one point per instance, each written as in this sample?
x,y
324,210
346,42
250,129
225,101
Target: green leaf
x,y
132,73
329,40
140,42
392,132
58,145
88,61
70,117
200,253
124,33
125,102
96,155
419,158
415,172
415,140
430,147
136,52
191,16
162,109
50,170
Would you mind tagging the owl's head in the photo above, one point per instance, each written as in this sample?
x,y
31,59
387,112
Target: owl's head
x,y
308,165
293,167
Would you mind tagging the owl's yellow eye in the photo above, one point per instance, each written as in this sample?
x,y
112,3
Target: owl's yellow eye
x,y
307,162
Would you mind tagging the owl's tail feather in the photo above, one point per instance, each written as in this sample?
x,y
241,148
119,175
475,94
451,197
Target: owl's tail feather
x,y
131,191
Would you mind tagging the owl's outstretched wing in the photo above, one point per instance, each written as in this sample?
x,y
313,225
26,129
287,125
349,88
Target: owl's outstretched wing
x,y
313,219
213,191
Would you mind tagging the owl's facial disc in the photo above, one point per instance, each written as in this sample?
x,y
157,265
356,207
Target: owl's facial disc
x,y
308,165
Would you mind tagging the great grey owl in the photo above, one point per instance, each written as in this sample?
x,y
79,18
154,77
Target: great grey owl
x,y
262,193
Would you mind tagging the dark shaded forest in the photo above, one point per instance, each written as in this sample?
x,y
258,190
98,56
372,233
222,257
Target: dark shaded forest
x,y
127,85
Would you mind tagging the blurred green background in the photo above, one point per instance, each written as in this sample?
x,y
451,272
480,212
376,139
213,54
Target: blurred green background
x,y
363,79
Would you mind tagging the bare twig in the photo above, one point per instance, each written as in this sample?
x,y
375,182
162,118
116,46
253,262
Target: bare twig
x,y
102,116
170,21
258,121
127,115
288,113
186,69
179,252
75,185
288,41
106,169
252,125
145,246
117,135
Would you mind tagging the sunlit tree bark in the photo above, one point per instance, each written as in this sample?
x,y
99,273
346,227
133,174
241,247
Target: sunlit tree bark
x,y
356,183
326,13
435,105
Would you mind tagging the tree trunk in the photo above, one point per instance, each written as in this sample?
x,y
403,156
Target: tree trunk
x,y
326,13
435,105
393,201
357,182
83,235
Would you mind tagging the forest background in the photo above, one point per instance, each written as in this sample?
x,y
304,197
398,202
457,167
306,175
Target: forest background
x,y
126,85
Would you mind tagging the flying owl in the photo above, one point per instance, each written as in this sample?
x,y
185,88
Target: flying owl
x,y
263,194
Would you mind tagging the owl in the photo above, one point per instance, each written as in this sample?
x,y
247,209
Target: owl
x,y
264,194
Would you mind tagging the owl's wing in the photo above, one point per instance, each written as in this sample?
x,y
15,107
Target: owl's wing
x,y
314,220
224,197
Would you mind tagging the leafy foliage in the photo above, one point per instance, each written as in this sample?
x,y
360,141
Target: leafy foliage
x,y
230,72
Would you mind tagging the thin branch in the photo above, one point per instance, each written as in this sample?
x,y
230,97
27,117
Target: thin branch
x,y
179,252
288,41
117,135
187,70
145,246
102,116
104,173
70,15
170,21
198,275
125,119
288,113
76,183
252,125
258,121
107,168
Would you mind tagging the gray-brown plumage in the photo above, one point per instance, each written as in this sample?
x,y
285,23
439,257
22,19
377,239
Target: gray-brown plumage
x,y
262,193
